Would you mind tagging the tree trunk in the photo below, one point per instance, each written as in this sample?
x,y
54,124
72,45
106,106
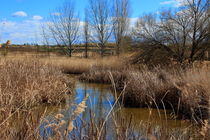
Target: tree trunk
x,y
118,48
102,50
86,50
69,51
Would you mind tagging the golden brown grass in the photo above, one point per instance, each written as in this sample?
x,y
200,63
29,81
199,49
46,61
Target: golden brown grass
x,y
75,65
25,84
30,82
81,65
185,92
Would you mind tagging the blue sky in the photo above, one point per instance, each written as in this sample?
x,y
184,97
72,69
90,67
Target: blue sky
x,y
20,19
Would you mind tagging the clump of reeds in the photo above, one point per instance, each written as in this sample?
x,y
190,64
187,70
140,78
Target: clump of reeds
x,y
59,123
26,84
185,92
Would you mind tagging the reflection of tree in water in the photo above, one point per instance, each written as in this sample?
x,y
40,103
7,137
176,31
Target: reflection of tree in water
x,y
98,99
98,104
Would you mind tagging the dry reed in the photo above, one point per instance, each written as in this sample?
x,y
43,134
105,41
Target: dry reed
x,y
186,92
25,84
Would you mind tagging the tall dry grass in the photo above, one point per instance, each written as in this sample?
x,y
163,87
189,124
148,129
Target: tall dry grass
x,y
25,84
28,83
76,65
40,81
81,65
185,92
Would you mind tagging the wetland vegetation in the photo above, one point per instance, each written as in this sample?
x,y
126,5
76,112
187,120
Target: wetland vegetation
x,y
148,81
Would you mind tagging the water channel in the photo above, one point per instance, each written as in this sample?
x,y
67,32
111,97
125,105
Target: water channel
x,y
100,101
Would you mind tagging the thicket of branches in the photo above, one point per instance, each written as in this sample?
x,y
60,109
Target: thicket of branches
x,y
181,34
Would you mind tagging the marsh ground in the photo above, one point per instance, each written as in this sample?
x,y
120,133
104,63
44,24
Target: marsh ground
x,y
185,92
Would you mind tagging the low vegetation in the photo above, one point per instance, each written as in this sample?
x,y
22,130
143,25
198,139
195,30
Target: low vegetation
x,y
185,92
161,75
30,83
26,84
81,65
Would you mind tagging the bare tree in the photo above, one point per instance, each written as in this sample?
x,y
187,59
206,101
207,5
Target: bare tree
x,y
198,13
65,27
120,22
183,35
86,33
46,37
100,21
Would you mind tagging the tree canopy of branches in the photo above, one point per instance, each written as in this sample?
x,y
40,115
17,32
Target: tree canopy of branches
x,y
64,27
86,33
181,35
100,21
120,22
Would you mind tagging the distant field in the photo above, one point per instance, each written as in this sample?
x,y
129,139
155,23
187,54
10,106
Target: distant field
x,y
19,49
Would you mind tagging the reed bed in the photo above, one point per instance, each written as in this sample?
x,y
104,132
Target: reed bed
x,y
185,92
81,65
26,84
75,65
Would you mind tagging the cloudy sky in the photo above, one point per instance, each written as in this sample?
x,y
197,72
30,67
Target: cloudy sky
x,y
20,19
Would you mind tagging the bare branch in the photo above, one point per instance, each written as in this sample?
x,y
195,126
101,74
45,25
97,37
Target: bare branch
x,y
65,27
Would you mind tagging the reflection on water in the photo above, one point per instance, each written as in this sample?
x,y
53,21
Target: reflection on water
x,y
101,99
100,102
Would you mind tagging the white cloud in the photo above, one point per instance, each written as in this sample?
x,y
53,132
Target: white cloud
x,y
56,14
27,31
167,2
133,21
37,17
174,3
7,24
20,14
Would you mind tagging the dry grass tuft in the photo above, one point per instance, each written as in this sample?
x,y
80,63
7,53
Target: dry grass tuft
x,y
29,83
24,85
205,129
186,92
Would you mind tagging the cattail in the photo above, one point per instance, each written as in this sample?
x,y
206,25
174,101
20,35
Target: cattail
x,y
59,116
62,122
71,126
204,129
79,109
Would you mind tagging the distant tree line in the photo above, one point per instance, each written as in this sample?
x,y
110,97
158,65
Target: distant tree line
x,y
105,21
180,34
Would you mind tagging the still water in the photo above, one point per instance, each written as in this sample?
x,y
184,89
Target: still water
x,y
100,101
